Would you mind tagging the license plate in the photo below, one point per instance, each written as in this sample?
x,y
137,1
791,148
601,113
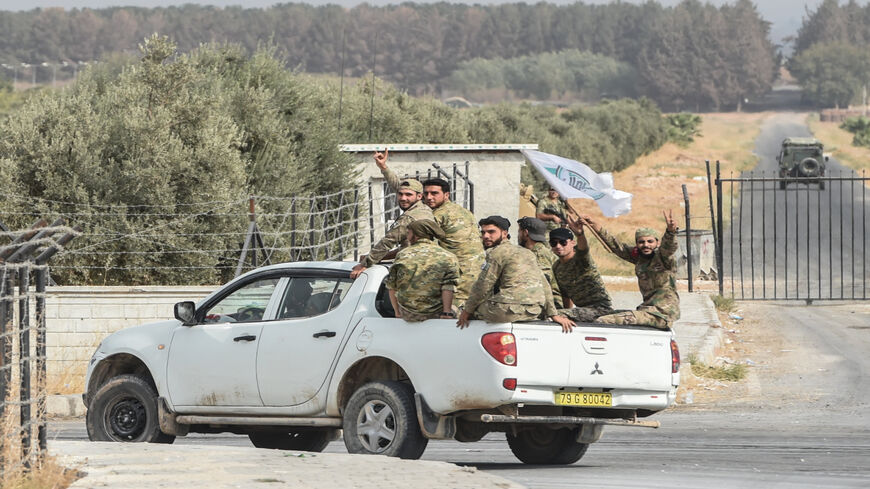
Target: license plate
x,y
593,399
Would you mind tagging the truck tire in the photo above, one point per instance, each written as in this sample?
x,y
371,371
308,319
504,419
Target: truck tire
x,y
125,410
381,418
809,167
542,446
305,441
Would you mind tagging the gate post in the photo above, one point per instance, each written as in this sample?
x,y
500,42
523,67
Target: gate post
x,y
24,361
688,238
719,253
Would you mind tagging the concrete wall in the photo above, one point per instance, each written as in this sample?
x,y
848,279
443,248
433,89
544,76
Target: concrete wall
x,y
78,318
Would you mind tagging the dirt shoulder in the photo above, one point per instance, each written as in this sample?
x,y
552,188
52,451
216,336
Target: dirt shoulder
x,y
797,357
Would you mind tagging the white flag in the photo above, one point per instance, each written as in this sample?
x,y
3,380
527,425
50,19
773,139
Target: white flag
x,y
573,179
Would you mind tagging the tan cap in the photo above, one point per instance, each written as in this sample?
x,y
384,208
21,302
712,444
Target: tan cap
x,y
411,184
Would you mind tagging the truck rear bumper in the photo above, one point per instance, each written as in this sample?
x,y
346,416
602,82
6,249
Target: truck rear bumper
x,y
551,420
622,398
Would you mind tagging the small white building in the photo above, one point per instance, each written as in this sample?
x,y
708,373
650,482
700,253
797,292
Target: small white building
x,y
486,177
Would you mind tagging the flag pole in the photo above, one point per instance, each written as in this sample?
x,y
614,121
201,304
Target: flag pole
x,y
594,233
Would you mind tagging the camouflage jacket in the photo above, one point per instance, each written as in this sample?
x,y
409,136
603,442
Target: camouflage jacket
x,y
391,178
546,258
398,234
511,275
421,271
557,205
580,281
463,237
656,274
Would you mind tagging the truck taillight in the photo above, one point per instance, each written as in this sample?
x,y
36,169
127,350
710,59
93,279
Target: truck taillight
x,y
675,357
502,347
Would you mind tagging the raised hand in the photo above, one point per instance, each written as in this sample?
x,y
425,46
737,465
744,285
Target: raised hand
x,y
381,158
576,225
669,219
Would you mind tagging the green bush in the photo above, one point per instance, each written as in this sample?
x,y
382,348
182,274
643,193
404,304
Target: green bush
x,y
860,128
683,128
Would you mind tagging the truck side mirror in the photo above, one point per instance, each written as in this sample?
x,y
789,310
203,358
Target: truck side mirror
x,y
184,312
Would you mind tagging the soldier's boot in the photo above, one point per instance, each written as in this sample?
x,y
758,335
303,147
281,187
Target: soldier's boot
x,y
581,314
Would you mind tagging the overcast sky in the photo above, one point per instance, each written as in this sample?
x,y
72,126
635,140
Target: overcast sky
x,y
784,14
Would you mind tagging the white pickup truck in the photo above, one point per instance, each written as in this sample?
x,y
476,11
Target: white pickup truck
x,y
290,354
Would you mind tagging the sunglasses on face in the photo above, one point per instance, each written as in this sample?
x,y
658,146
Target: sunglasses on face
x,y
554,242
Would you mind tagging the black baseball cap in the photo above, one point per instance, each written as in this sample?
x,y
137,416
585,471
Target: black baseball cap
x,y
561,233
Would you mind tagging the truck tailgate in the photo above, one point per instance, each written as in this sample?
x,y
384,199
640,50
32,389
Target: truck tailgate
x,y
593,357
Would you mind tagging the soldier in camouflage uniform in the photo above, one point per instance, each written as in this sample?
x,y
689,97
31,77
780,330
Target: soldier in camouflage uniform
x,y
423,277
409,194
655,268
582,289
551,209
510,287
533,235
461,236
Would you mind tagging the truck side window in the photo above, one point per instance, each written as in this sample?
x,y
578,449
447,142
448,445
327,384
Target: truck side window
x,y
383,304
243,305
310,296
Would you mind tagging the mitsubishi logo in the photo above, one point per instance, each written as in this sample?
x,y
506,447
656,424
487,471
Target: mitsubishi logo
x,y
596,370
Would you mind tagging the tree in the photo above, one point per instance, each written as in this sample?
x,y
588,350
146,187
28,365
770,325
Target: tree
x,y
831,74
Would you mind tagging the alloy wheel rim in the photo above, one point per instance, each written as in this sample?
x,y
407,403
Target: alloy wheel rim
x,y
376,426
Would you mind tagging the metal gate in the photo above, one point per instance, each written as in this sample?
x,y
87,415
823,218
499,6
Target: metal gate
x,y
792,238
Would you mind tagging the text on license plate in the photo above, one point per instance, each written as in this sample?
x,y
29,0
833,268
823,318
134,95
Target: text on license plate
x,y
596,399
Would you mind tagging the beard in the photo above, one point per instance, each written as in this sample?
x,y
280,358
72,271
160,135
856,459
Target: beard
x,y
493,244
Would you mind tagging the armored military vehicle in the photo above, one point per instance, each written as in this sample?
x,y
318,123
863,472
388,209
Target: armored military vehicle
x,y
801,158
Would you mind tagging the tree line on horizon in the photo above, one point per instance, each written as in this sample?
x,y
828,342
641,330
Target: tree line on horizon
x,y
692,56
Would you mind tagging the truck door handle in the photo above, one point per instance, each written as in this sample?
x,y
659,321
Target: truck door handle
x,y
328,334
245,337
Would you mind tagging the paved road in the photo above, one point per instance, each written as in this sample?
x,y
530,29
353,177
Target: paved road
x,y
807,424
802,241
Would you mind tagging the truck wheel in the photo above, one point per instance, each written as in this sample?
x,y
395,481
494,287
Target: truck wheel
x,y
542,446
381,418
305,441
125,409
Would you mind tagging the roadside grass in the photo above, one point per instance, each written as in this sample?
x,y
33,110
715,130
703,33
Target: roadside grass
x,y
838,142
45,473
69,380
729,372
724,304
655,181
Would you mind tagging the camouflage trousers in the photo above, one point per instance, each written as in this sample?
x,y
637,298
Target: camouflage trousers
x,y
497,312
414,317
469,269
585,314
641,318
